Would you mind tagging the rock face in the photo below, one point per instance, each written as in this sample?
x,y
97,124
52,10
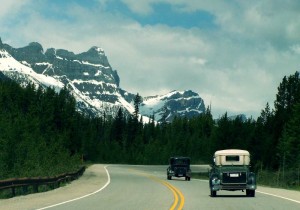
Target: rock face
x,y
92,81
176,103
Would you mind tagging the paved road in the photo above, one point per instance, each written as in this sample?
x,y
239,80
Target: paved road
x,y
146,187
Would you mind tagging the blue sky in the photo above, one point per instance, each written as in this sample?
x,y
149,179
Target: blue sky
x,y
166,14
161,13
233,53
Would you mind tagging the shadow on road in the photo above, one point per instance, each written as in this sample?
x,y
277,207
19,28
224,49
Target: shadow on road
x,y
229,196
178,179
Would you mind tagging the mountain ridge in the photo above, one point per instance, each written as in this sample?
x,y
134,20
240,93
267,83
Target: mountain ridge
x,y
91,79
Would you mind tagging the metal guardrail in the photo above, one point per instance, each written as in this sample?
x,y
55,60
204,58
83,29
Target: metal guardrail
x,y
35,182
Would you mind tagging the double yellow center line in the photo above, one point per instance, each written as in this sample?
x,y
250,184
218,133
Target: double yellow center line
x,y
178,196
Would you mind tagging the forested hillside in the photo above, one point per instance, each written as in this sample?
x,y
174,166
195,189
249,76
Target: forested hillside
x,y
35,131
41,134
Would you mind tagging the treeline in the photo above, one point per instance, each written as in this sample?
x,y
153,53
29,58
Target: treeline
x,y
35,131
273,139
41,133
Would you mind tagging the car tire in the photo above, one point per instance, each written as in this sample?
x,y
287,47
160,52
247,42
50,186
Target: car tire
x,y
250,193
213,193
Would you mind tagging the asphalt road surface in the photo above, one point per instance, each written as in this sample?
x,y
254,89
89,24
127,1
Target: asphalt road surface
x,y
123,187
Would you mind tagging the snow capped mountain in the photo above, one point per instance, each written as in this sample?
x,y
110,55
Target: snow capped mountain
x,y
16,70
176,103
92,81
87,75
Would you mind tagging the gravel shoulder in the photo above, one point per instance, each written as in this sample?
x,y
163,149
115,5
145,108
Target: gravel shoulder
x,y
92,180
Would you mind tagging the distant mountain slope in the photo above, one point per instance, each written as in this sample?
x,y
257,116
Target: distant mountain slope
x,y
92,81
176,103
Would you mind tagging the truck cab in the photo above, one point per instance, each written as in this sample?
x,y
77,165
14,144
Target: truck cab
x,y
231,171
179,167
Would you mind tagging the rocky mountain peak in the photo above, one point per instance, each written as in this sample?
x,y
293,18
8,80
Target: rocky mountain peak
x,y
176,103
32,53
94,55
99,50
35,47
92,81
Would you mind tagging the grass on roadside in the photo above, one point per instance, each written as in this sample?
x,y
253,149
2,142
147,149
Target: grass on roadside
x,y
289,180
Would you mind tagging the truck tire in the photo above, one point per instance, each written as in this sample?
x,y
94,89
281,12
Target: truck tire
x,y
213,193
250,193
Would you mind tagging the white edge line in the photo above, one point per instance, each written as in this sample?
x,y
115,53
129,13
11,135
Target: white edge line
x,y
75,199
296,201
278,196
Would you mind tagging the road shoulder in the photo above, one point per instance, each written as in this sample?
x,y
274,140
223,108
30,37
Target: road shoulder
x,y
93,179
281,193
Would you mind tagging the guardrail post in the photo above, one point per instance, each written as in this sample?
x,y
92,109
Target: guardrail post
x,y
35,188
13,191
25,190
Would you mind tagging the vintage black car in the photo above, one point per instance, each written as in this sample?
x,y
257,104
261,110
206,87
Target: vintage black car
x,y
179,167
231,171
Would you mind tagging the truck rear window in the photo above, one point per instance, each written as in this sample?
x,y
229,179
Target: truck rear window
x,y
233,158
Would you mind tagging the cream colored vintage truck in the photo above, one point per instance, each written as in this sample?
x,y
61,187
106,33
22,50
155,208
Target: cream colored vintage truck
x,y
231,171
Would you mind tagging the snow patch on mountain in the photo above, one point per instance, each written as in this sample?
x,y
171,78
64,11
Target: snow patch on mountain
x,y
176,103
91,80
9,65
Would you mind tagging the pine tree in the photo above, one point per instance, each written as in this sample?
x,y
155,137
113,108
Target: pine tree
x,y
118,128
137,101
289,145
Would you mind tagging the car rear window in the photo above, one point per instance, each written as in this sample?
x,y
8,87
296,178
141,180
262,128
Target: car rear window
x,y
233,158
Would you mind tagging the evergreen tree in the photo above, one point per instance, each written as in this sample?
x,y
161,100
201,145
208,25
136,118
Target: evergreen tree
x,y
137,101
118,127
289,145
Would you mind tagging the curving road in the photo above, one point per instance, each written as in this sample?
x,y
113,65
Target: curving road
x,y
146,187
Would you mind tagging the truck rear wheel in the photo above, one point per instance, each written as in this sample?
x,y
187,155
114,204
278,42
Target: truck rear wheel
x,y
213,193
250,193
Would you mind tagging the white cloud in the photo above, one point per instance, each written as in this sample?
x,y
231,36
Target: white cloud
x,y
11,8
296,48
236,66
139,7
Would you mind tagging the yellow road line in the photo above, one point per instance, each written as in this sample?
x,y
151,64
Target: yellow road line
x,y
176,192
175,196
180,195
